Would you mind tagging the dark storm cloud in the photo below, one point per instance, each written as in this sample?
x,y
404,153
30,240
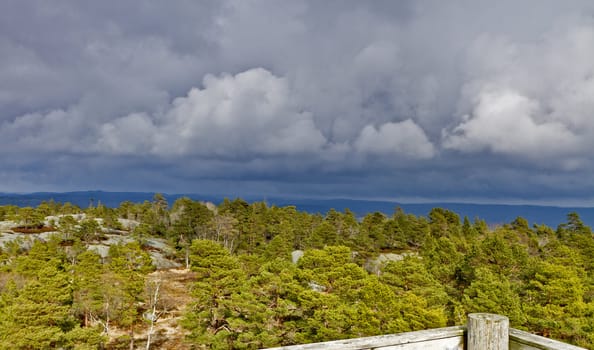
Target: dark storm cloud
x,y
465,100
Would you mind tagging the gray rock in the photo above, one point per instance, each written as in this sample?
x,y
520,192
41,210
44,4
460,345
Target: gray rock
x,y
375,265
296,255
316,287
159,254
161,262
161,245
101,249
128,224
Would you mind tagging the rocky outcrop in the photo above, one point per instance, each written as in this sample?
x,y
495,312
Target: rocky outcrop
x,y
375,265
161,253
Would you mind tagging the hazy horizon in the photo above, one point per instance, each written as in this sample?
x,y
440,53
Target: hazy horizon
x,y
403,200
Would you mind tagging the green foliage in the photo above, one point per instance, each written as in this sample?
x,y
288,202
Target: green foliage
x,y
493,293
411,275
88,230
29,217
247,293
36,303
67,225
220,282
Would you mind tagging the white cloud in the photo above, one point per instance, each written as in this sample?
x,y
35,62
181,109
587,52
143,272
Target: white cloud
x,y
251,114
132,134
403,138
529,99
55,131
507,122
248,114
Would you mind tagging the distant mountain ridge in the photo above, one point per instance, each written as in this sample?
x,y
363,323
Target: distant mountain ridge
x,y
493,214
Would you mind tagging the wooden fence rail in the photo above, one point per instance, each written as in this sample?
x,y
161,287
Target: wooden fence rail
x,y
483,332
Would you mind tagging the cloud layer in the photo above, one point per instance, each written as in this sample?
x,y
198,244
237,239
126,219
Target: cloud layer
x,y
386,99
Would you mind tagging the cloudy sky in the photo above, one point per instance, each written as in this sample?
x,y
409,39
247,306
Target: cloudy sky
x,y
489,101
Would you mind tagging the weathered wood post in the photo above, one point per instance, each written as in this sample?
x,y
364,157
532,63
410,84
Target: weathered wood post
x,y
487,332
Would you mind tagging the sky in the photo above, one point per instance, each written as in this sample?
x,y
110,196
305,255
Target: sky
x,y
425,100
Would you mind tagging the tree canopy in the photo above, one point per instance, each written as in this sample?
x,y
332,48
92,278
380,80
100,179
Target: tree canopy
x,y
247,293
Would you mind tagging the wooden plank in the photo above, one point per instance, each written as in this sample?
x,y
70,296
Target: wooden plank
x,y
451,336
520,340
456,343
487,332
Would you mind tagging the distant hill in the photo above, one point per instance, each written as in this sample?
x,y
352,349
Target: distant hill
x,y
493,214
84,199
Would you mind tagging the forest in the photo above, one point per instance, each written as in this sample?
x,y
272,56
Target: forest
x,y
251,275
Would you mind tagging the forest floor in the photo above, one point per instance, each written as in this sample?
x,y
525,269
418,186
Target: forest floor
x,y
174,297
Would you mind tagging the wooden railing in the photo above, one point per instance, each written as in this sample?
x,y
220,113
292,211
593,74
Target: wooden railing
x,y
483,332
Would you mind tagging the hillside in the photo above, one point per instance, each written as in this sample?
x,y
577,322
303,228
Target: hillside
x,y
241,275
493,214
